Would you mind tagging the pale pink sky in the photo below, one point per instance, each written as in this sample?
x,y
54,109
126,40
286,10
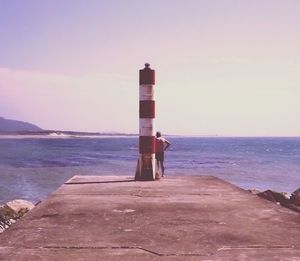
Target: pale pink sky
x,y
223,67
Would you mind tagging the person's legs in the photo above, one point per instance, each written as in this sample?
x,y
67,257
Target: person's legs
x,y
162,168
158,160
157,164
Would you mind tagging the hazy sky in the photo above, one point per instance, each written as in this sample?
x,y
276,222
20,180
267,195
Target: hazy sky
x,y
222,66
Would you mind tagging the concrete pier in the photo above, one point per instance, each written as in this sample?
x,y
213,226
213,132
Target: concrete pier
x,y
176,218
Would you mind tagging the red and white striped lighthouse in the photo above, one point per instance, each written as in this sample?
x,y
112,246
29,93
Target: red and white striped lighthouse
x,y
146,162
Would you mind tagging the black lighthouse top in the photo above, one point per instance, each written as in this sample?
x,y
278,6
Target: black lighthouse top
x,y
147,75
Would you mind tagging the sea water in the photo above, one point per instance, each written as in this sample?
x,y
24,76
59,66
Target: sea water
x,y
31,168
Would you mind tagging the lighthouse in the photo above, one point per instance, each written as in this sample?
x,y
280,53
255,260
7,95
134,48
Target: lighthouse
x,y
146,163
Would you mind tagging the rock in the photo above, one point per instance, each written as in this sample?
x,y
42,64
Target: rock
x,y
286,195
293,207
19,206
5,215
295,197
12,211
254,191
284,199
274,197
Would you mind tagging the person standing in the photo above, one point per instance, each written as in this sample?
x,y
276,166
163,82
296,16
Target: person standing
x,y
161,144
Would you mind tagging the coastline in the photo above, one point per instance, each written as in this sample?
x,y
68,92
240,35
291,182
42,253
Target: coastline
x,y
62,136
54,134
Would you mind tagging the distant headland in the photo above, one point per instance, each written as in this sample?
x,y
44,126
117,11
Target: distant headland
x,y
20,128
7,125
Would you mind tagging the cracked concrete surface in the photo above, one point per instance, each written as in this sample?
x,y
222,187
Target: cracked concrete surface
x,y
176,218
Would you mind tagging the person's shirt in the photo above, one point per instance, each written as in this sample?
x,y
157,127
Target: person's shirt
x,y
160,144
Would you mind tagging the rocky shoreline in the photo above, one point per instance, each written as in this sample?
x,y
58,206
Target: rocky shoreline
x,y
291,201
12,211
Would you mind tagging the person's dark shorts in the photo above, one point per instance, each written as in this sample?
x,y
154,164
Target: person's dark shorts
x,y
159,156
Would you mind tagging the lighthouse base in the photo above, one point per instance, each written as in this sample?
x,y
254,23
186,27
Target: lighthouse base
x,y
146,168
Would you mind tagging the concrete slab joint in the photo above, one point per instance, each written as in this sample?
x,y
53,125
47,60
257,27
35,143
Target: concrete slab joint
x,y
178,218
